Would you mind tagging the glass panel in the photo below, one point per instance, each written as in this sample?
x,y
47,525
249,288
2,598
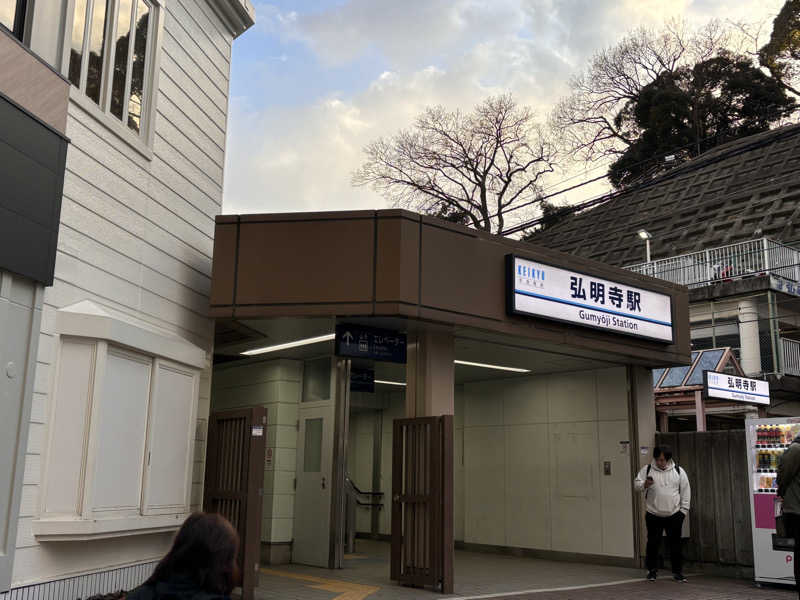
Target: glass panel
x,y
136,99
312,453
76,45
317,380
121,47
97,40
656,376
8,11
676,375
708,362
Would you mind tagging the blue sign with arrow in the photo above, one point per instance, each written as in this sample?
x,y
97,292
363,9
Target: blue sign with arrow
x,y
355,341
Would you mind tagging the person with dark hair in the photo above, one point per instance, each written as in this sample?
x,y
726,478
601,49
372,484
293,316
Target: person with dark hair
x,y
667,497
201,565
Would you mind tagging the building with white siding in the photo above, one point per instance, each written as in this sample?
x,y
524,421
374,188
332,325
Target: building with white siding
x,y
110,450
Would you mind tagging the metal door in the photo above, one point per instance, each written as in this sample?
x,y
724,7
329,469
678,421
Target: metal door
x,y
319,507
235,479
422,502
312,520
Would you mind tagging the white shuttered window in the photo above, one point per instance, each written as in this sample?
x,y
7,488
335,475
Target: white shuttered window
x,y
121,441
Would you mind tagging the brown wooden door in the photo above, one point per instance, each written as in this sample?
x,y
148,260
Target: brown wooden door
x,y
235,479
422,502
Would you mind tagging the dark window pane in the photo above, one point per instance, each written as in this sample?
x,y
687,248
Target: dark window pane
x,y
675,377
76,44
97,39
657,373
137,68
708,362
121,57
312,448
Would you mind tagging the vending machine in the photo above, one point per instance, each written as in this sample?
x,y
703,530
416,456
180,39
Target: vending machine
x,y
767,439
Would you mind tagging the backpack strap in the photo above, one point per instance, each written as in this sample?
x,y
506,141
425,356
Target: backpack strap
x,y
648,471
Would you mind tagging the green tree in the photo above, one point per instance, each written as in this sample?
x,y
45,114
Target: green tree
x,y
781,55
585,120
696,108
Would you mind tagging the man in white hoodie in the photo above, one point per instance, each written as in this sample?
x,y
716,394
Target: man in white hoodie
x,y
668,497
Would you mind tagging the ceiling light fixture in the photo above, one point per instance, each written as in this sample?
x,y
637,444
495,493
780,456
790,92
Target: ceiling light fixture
x,y
487,366
297,343
400,383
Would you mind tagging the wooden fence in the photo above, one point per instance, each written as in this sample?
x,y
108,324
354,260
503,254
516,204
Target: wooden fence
x,y
716,463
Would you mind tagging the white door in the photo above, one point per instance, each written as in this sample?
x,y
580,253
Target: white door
x,y
312,518
312,503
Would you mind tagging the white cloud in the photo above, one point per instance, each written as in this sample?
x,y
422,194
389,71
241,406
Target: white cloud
x,y
449,52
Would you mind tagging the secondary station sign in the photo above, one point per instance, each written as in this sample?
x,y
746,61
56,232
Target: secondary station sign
x,y
739,389
355,341
540,290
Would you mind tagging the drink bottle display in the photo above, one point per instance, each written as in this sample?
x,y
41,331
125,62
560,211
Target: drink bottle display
x,y
767,440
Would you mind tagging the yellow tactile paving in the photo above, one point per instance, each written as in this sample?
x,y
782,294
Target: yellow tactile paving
x,y
345,589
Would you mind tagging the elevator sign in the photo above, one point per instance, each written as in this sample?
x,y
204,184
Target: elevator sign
x,y
355,341
740,389
541,290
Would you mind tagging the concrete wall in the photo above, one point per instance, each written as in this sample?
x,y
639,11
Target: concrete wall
x,y
137,235
533,463
276,385
528,462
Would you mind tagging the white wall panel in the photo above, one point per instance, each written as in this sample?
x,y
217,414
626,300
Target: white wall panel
x,y
612,394
534,449
572,396
575,488
484,483
616,499
524,400
527,484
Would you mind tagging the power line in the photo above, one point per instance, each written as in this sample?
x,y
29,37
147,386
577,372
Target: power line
x,y
653,158
694,165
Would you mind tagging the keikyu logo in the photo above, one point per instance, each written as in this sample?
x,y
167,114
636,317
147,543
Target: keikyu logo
x,y
530,272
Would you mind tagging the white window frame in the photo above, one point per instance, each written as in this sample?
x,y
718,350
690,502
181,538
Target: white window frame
x,y
108,335
143,141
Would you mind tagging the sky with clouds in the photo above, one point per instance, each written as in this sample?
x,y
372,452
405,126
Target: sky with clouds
x,y
315,80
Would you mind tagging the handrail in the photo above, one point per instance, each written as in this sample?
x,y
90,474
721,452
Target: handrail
x,y
362,493
791,356
725,263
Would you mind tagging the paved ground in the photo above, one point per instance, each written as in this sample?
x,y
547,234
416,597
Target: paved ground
x,y
488,576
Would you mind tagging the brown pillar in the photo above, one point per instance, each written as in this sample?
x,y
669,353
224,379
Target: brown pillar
x,y
663,422
700,410
430,374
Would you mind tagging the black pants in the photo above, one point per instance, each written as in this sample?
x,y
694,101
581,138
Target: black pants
x,y
792,522
672,525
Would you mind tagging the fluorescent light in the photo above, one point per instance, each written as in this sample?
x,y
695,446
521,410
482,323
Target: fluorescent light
x,y
401,383
313,340
486,366
644,234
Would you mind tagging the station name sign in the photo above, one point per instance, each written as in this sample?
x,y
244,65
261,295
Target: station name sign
x,y
740,389
540,290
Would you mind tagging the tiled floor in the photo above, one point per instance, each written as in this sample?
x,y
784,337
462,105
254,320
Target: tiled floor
x,y
366,575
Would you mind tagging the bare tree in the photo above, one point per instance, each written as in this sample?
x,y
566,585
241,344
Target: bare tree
x,y
479,165
588,118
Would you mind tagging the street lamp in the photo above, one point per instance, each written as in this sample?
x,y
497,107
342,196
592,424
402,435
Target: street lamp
x,y
646,236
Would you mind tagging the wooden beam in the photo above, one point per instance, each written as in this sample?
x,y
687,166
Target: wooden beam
x,y
700,411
